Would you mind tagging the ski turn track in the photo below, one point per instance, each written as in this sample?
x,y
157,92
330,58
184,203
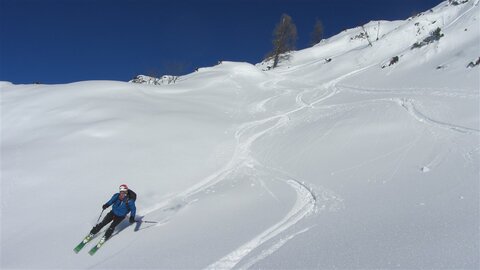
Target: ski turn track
x,y
409,105
304,206
306,201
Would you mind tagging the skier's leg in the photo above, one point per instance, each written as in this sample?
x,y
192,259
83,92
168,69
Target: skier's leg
x,y
116,221
107,219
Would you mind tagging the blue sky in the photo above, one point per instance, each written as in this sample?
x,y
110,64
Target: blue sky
x,y
61,41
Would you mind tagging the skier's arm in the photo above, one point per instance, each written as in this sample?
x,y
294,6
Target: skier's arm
x,y
133,209
113,199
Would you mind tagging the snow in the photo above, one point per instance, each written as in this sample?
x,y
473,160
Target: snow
x,y
313,165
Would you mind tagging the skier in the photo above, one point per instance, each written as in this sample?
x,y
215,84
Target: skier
x,y
123,202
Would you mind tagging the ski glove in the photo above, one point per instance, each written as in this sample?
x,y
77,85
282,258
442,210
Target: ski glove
x,y
105,206
132,219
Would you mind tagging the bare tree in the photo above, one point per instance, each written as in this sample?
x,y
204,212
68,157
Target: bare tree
x,y
284,38
317,33
367,36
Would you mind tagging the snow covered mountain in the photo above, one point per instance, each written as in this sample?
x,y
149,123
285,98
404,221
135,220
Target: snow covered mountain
x,y
360,152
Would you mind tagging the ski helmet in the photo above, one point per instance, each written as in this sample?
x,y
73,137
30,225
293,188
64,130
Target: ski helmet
x,y
123,188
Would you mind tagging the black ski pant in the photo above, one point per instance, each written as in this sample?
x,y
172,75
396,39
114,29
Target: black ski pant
x,y
107,219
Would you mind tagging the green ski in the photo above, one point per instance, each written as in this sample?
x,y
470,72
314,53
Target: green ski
x,y
83,243
97,246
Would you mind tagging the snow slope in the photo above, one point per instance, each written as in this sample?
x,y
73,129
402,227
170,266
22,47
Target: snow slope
x,y
328,161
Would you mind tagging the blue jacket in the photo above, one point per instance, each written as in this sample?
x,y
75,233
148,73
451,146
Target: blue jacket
x,y
120,208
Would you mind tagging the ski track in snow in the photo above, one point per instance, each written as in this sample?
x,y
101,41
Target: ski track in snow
x,y
445,92
463,14
267,252
304,206
249,132
246,135
306,201
260,106
409,105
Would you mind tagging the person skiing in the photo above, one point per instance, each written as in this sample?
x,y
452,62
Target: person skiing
x,y
122,203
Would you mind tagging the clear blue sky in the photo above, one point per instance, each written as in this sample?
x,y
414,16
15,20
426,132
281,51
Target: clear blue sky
x,y
60,41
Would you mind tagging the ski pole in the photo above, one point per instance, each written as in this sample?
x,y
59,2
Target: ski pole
x,y
147,221
100,216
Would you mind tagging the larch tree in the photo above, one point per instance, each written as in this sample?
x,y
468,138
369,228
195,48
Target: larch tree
x,y
317,33
284,38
